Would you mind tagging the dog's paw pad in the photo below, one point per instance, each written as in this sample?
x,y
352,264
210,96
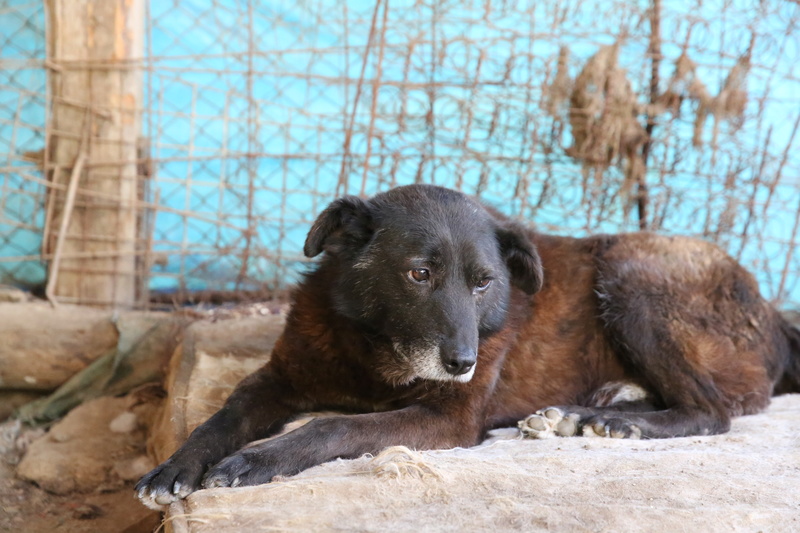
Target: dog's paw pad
x,y
596,429
549,422
534,423
552,413
614,428
568,426
537,426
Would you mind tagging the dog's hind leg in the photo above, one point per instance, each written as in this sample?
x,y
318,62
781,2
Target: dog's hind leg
x,y
637,423
678,399
688,324
617,410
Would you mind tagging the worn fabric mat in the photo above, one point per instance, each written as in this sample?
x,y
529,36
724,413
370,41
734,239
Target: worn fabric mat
x,y
745,480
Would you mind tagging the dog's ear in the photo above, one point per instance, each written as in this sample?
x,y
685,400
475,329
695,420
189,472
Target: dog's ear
x,y
521,258
345,223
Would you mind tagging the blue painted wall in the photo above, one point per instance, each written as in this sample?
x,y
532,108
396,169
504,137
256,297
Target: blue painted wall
x,y
248,147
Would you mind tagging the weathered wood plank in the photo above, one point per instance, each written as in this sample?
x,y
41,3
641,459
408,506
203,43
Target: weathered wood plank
x,y
95,48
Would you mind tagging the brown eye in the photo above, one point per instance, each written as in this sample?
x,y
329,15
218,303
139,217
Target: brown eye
x,y
483,284
420,275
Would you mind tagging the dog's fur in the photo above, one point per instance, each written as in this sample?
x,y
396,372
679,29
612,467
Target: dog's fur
x,y
432,319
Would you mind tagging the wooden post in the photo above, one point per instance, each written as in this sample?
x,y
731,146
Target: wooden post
x,y
95,57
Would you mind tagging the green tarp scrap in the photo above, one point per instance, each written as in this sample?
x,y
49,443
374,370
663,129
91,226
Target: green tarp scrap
x,y
146,341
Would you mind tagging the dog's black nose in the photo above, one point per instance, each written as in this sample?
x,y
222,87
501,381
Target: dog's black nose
x,y
459,363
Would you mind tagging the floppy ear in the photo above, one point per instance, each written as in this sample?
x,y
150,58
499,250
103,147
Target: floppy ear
x,y
521,258
345,223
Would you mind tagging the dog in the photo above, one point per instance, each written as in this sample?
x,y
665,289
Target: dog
x,y
432,319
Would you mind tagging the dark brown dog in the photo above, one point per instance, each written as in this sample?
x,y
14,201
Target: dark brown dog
x,y
433,319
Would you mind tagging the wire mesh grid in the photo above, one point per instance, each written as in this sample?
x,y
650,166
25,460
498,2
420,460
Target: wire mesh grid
x,y
287,105
575,115
22,111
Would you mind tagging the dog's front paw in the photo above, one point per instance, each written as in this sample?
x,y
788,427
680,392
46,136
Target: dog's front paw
x,y
243,468
169,482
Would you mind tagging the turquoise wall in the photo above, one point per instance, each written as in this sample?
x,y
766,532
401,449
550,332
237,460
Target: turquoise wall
x,y
247,111
22,119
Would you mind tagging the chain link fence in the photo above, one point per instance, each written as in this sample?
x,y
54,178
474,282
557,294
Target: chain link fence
x,y
23,97
575,115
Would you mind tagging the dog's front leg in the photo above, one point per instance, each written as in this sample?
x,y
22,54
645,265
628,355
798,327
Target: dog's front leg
x,y
259,407
346,436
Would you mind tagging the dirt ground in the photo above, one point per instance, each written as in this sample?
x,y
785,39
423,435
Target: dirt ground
x,y
27,508
109,506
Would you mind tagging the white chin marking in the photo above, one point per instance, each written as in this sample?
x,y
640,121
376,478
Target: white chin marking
x,y
438,373
465,378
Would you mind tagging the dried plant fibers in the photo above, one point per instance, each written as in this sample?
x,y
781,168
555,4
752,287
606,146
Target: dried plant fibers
x,y
728,105
603,116
606,117
558,91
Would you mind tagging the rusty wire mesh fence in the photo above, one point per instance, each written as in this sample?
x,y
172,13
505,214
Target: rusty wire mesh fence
x,y
577,115
22,120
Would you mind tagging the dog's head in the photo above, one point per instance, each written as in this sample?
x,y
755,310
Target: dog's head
x,y
426,270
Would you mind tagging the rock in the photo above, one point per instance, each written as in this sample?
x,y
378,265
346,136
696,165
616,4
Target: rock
x,y
124,423
83,453
42,347
15,438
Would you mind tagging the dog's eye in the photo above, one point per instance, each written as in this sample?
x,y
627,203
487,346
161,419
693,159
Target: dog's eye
x,y
420,275
483,284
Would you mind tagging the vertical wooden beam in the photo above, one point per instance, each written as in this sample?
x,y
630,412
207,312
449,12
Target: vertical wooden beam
x,y
95,50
